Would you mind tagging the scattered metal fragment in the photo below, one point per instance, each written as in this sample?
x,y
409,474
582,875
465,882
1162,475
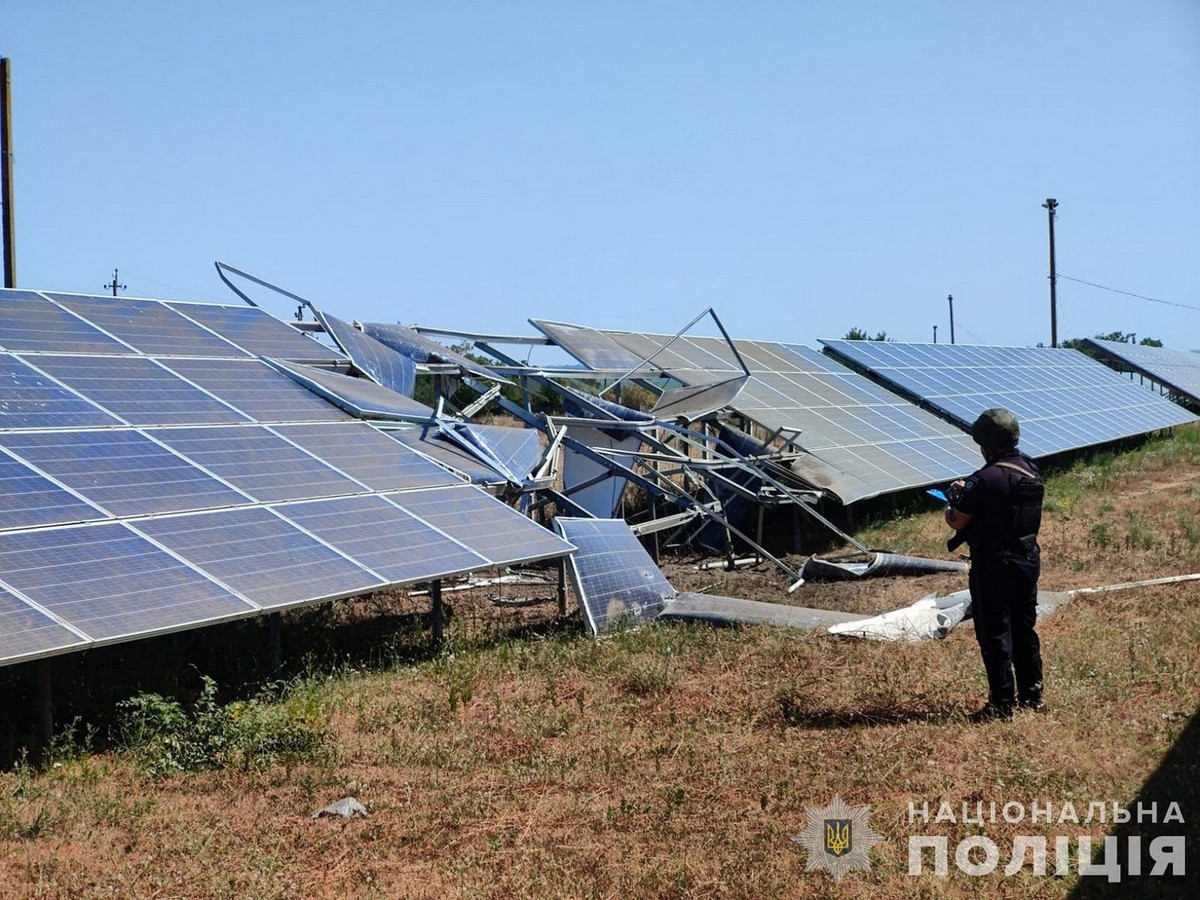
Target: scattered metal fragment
x,y
716,610
347,808
935,617
875,564
929,617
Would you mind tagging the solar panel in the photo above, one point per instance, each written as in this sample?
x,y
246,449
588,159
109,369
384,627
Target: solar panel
x,y
109,583
123,472
261,556
27,633
383,364
493,530
137,389
367,455
148,326
592,347
257,390
257,332
259,462
515,450
30,322
359,397
616,581
859,440
1177,370
28,499
421,349
1063,399
430,442
380,536
31,399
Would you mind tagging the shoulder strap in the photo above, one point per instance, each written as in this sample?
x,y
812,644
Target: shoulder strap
x,y
1016,468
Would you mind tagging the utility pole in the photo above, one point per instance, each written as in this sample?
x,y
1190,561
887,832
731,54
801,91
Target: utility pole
x,y
6,176
951,299
113,284
1050,206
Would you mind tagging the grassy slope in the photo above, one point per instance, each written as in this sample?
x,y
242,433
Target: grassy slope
x,y
673,761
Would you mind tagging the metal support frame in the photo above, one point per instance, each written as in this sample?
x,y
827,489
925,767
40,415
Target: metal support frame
x,y
665,490
436,614
704,471
707,312
562,586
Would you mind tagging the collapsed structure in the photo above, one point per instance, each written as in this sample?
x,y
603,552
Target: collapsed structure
x,y
169,465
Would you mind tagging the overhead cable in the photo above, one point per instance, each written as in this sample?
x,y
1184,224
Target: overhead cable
x,y
1128,293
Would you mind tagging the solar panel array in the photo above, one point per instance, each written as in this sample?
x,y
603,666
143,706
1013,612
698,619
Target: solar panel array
x,y
1063,399
860,440
156,474
1177,370
616,581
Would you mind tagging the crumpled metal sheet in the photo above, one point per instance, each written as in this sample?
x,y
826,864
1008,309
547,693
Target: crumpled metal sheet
x,y
347,808
931,617
879,564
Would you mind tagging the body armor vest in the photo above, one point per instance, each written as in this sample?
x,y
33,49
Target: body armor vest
x,y
1025,494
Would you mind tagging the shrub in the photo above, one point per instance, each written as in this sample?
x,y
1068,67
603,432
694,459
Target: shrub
x,y
163,738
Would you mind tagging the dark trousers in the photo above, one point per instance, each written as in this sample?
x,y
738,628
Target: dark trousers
x,y
1004,607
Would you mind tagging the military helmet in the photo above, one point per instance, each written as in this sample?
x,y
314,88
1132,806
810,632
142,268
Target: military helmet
x,y
996,428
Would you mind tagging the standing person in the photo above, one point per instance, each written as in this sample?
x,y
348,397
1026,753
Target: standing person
x,y
998,511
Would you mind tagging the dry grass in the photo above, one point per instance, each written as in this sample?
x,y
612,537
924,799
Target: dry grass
x,y
672,761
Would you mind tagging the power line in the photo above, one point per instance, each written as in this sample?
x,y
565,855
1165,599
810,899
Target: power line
x,y
1128,293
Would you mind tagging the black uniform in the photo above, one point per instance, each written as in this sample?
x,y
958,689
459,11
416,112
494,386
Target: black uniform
x,y
1004,499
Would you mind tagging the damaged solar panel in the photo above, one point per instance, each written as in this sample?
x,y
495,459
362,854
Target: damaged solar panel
x,y
858,439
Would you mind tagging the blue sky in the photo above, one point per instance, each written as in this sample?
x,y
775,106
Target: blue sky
x,y
802,167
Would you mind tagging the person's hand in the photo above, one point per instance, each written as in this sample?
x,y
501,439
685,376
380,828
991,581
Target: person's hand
x,y
954,492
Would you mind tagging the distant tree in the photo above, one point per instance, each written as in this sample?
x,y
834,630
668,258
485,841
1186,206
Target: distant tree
x,y
1119,337
857,334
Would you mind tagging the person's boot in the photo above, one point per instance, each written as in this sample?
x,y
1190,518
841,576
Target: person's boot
x,y
1031,698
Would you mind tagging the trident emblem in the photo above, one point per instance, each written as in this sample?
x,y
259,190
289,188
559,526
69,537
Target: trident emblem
x,y
838,836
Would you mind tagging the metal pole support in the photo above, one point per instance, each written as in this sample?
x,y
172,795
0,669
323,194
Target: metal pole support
x,y
436,613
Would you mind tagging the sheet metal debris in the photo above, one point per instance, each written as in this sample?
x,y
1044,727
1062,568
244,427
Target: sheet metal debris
x,y
935,617
346,808
930,617
875,564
